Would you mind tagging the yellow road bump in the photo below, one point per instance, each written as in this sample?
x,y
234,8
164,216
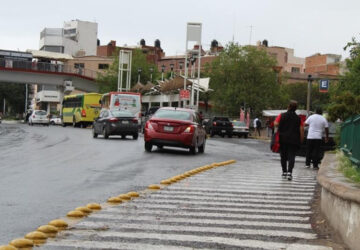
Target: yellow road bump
x,y
8,247
48,230
85,210
232,161
133,194
37,238
124,197
22,243
75,214
165,182
173,180
187,174
114,200
94,206
154,187
59,224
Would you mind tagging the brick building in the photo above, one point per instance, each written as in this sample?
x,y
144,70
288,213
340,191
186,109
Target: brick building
x,y
327,64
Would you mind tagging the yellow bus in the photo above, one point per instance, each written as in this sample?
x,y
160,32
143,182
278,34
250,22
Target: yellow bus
x,y
80,110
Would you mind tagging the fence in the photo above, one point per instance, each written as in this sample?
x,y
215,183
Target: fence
x,y
350,139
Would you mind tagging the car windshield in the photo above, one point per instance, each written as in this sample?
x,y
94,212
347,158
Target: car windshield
x,y
223,119
172,114
239,124
122,113
41,112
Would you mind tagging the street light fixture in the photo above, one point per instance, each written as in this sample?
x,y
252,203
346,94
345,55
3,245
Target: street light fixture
x,y
171,68
139,72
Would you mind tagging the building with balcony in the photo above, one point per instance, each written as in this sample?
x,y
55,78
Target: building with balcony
x,y
75,38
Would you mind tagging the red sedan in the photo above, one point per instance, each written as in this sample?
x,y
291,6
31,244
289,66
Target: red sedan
x,y
175,127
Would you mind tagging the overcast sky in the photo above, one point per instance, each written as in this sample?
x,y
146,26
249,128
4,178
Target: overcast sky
x,y
308,26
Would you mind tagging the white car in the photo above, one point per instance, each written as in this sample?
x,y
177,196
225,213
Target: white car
x,y
55,120
39,117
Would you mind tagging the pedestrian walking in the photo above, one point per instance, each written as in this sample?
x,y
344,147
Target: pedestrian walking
x,y
317,124
270,126
257,126
291,135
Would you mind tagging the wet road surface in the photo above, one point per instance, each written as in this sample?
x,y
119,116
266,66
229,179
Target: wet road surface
x,y
47,171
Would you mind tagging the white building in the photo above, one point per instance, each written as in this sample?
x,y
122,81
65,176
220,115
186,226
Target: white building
x,y
76,38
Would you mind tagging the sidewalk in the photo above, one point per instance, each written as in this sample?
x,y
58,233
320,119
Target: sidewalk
x,y
218,206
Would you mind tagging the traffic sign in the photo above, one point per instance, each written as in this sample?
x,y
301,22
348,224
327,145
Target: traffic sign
x,y
324,85
184,94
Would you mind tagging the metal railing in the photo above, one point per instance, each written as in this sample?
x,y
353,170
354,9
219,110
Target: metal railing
x,y
350,139
46,67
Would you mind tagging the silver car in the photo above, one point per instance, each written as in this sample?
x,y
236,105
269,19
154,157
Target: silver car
x,y
39,117
240,129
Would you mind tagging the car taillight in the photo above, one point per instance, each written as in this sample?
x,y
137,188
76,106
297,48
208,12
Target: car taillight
x,y
134,120
148,125
189,129
83,113
232,125
214,123
113,119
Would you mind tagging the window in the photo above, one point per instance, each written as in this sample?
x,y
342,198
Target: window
x,y
173,114
72,102
295,70
79,65
103,66
69,31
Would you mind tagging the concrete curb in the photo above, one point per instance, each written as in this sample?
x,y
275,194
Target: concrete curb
x,y
333,181
340,201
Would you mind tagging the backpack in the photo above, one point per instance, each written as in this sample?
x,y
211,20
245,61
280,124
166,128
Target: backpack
x,y
258,124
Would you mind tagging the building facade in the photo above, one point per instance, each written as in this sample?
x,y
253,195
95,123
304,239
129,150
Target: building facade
x,y
327,64
75,38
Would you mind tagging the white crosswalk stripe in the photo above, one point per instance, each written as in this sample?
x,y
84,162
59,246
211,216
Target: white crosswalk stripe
x,y
224,208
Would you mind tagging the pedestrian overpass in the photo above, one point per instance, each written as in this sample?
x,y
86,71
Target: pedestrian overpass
x,y
25,72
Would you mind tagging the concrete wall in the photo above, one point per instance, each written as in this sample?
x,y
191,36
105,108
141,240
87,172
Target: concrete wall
x,y
340,201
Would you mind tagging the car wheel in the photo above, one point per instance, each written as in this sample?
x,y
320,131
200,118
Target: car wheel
x,y
202,147
64,124
105,134
123,136
230,135
160,146
94,133
245,136
74,122
211,134
148,146
193,149
222,135
135,136
239,136
52,123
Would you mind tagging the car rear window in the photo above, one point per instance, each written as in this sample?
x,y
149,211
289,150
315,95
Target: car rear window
x,y
223,119
239,124
173,114
119,113
40,112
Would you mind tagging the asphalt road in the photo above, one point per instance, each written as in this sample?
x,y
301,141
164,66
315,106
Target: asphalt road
x,y
47,171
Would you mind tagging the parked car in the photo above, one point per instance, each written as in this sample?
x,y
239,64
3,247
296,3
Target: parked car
x,y
175,127
115,122
55,120
219,126
150,112
39,117
240,129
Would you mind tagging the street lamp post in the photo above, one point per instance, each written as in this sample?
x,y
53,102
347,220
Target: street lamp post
x,y
308,100
139,72
151,72
171,68
162,72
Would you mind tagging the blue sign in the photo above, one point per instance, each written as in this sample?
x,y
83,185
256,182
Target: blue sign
x,y
324,85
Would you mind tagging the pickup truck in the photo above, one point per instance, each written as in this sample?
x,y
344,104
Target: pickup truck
x,y
219,126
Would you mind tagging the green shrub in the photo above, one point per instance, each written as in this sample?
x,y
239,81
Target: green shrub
x,y
349,170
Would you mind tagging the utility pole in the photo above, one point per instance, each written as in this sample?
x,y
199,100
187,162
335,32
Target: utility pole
x,y
26,97
308,100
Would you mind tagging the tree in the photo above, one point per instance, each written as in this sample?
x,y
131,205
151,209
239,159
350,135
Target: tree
x,y
244,76
344,106
108,81
14,95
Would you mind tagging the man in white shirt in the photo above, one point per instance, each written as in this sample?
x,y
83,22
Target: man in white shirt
x,y
257,126
317,124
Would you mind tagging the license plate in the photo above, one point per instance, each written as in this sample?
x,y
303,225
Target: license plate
x,y
223,131
125,122
169,129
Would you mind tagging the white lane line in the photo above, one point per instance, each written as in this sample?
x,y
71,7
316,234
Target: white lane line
x,y
202,221
251,188
213,203
210,215
110,245
210,197
271,233
229,195
231,242
225,209
232,190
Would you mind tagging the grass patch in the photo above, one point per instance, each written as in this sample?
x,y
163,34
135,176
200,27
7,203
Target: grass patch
x,y
349,170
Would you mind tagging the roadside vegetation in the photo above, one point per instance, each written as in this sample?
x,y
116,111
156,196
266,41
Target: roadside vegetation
x,y
349,170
